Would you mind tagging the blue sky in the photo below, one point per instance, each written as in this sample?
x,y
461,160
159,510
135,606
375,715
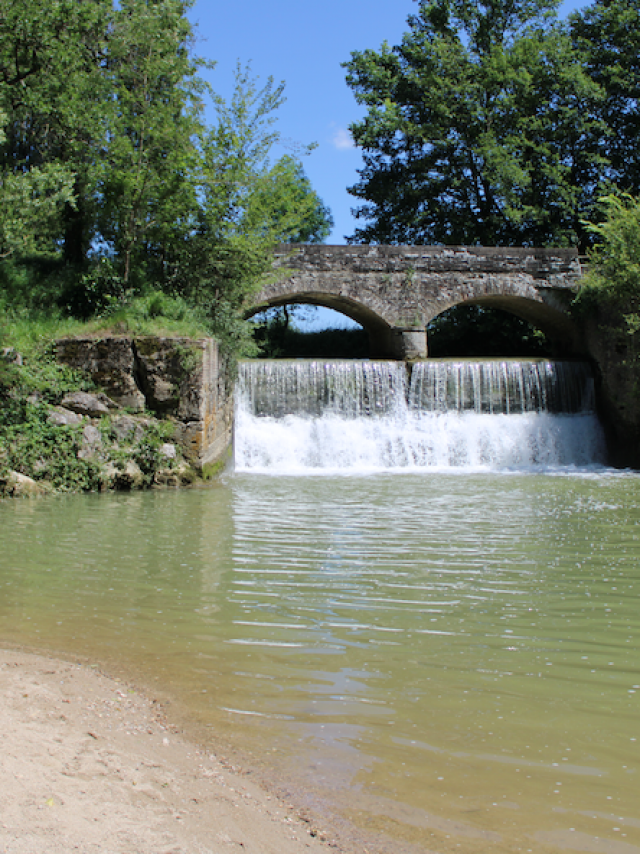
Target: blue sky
x,y
304,44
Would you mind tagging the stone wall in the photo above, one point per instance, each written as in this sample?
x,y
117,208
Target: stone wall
x,y
613,351
181,379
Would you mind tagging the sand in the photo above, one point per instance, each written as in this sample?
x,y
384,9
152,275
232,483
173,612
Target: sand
x,y
87,764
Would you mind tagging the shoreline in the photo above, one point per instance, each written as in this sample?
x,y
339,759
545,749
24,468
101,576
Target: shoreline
x,y
89,764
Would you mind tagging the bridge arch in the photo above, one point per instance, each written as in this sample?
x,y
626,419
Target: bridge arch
x,y
557,326
395,291
380,333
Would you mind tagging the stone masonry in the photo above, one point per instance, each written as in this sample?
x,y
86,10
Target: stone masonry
x,y
395,291
177,378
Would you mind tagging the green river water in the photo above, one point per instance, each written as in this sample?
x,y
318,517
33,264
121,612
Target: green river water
x,y
429,662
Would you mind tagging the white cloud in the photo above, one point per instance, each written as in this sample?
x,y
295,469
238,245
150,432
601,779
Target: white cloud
x,y
342,139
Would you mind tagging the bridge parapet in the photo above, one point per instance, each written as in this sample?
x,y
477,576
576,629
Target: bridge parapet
x,y
541,263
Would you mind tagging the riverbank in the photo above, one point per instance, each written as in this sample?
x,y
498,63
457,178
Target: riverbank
x,y
88,764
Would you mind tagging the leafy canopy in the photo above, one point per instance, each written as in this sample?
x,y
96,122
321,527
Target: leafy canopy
x,y
614,261
478,130
111,182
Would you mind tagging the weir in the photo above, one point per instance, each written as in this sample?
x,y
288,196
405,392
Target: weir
x,y
314,416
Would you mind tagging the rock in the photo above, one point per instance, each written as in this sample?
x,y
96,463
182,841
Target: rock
x,y
63,417
179,475
160,371
184,379
108,476
11,355
110,363
85,404
168,450
91,442
131,477
128,429
128,477
16,485
103,398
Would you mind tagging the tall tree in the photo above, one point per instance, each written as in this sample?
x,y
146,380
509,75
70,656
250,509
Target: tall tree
x,y
608,35
146,186
478,130
247,204
52,94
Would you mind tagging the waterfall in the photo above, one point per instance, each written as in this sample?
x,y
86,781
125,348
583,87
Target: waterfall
x,y
304,416
506,387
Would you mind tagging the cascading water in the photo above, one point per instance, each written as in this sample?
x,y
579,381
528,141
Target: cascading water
x,y
358,416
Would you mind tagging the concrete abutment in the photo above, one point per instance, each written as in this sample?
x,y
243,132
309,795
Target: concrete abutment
x,y
181,379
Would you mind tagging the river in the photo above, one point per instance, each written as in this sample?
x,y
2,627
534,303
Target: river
x,y
430,661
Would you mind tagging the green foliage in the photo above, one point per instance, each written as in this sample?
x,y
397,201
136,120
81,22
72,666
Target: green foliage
x,y
52,58
147,197
147,452
614,262
247,205
285,207
29,444
8,373
607,34
47,452
48,380
155,313
31,205
613,274
480,129
473,330
111,184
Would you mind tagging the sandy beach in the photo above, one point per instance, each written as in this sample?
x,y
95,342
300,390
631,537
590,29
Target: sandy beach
x,y
88,764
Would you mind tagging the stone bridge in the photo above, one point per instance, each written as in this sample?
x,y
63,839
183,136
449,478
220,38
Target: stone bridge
x,y
395,291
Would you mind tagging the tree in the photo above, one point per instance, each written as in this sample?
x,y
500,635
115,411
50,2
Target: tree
x,y
52,98
284,202
247,205
479,129
146,188
607,34
243,191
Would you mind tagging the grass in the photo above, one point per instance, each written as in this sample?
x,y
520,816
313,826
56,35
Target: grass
x,y
29,331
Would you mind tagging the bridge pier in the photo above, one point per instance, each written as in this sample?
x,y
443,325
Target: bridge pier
x,y
397,343
412,343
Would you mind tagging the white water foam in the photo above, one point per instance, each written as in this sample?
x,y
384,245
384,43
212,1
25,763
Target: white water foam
x,y
319,437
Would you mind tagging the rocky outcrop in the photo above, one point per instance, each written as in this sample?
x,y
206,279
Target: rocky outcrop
x,y
180,379
92,405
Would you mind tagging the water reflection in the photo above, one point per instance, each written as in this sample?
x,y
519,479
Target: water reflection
x,y
452,660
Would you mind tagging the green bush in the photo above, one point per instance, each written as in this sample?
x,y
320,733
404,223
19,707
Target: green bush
x,y
47,452
613,273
